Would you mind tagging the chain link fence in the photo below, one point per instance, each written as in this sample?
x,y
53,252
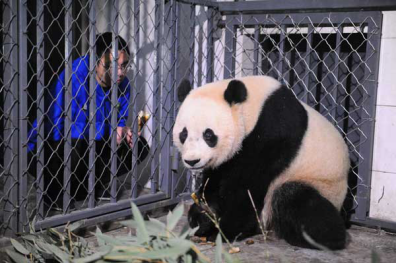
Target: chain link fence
x,y
63,105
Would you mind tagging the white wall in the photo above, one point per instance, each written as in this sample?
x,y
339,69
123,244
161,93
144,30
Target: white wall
x,y
383,182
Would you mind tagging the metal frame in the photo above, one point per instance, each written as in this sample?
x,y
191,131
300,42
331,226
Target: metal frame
x,y
231,23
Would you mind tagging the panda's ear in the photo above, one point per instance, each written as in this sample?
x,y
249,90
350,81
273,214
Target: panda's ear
x,y
183,90
236,92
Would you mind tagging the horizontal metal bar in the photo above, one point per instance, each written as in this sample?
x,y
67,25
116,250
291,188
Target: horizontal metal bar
x,y
297,18
200,2
372,222
306,5
98,211
4,242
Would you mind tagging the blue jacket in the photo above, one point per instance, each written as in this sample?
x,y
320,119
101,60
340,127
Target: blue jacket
x,y
54,123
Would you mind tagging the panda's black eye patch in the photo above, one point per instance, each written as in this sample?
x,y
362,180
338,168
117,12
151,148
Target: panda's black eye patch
x,y
210,138
183,135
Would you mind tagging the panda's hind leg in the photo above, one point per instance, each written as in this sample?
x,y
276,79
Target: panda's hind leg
x,y
298,208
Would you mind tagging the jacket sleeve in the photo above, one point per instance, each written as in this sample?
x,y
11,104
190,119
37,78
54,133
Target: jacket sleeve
x,y
55,118
124,94
32,137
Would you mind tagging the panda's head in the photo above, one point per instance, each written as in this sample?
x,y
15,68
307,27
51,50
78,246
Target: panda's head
x,y
209,127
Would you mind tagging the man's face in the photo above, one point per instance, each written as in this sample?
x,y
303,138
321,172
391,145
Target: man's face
x,y
104,68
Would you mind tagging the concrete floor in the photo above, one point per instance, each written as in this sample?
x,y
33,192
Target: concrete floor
x,y
363,242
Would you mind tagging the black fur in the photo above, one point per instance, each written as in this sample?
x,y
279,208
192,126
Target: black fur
x,y
265,153
299,207
210,138
183,135
236,92
183,90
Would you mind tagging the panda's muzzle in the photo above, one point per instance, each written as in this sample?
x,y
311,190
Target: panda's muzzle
x,y
192,162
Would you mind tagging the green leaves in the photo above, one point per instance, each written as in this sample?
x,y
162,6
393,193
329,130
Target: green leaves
x,y
62,246
18,247
155,241
141,231
173,218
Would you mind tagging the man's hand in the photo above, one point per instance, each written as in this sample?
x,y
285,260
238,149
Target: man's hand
x,y
124,131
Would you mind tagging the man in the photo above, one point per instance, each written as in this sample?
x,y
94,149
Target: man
x,y
54,123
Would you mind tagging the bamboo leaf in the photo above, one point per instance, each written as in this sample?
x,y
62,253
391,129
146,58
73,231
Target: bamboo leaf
x,y
172,252
141,231
229,259
29,237
219,249
156,225
18,258
95,257
54,250
174,217
19,247
75,225
100,241
109,240
189,232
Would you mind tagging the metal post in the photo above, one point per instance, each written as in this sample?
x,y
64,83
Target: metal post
x,y
230,43
156,120
135,153
281,50
166,111
256,49
335,72
173,88
40,96
307,60
92,104
192,44
210,47
68,112
23,219
114,101
366,144
10,115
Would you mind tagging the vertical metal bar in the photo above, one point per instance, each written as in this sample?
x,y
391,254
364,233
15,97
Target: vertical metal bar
x,y
210,48
177,56
135,153
23,220
114,102
256,49
366,144
192,44
335,72
11,140
40,93
166,111
68,111
281,50
156,96
173,93
92,103
307,59
230,45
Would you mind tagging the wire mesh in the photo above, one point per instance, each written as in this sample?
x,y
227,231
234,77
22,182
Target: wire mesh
x,y
328,61
63,159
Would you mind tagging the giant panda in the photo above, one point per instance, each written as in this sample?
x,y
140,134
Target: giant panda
x,y
252,134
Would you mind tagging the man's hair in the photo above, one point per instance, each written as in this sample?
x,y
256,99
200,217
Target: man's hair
x,y
104,41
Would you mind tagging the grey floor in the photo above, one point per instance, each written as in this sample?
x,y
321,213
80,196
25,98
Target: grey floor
x,y
363,244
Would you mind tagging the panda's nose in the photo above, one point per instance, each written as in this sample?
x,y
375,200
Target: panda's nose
x,y
192,162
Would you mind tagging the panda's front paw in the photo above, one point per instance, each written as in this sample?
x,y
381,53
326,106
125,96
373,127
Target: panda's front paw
x,y
197,217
